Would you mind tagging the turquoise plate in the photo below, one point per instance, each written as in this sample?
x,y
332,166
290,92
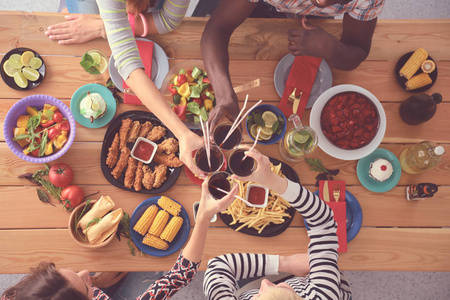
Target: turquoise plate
x,y
362,169
81,93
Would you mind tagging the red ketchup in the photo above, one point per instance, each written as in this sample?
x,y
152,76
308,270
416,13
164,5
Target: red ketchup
x,y
143,150
257,195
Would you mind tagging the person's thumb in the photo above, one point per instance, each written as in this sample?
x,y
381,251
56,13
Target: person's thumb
x,y
307,25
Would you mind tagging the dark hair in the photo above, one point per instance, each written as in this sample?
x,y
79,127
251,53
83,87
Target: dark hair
x,y
44,283
137,6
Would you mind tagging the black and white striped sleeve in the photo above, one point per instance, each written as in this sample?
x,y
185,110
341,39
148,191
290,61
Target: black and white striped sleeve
x,y
224,271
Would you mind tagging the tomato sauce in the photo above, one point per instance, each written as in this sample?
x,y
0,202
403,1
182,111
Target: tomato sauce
x,y
257,195
143,150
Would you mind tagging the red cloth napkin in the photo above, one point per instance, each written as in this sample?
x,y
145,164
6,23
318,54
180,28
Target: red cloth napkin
x,y
339,210
146,53
302,76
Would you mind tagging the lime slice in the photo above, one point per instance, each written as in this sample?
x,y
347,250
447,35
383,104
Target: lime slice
x,y
95,106
15,61
266,130
30,73
96,57
103,65
26,57
269,118
20,80
35,63
10,71
301,137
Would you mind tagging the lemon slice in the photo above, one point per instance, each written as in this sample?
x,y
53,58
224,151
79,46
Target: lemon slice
x,y
103,65
95,106
35,63
25,58
20,80
95,56
30,73
254,130
269,118
10,71
266,130
15,61
263,136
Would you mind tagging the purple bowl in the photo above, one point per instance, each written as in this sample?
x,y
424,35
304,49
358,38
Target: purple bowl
x,y
19,108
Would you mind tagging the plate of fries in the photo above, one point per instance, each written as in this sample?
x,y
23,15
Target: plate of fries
x,y
265,222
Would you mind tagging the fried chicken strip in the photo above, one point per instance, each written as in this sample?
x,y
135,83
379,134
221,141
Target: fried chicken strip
x,y
160,175
145,129
134,131
170,160
168,146
122,163
123,132
130,172
138,177
113,152
148,179
156,134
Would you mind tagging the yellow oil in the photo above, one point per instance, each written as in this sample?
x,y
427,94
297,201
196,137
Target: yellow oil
x,y
418,158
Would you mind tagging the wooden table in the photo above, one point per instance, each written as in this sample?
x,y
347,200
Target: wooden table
x,y
397,235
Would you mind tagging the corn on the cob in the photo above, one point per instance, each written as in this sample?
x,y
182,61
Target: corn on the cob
x,y
159,223
418,81
169,205
143,224
428,66
172,228
155,242
413,64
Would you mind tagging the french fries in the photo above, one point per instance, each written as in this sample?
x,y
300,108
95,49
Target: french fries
x,y
258,218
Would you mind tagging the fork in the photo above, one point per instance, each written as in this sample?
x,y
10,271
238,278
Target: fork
x,y
336,191
294,100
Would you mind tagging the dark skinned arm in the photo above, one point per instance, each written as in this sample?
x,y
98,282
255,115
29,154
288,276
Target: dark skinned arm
x,y
346,54
214,44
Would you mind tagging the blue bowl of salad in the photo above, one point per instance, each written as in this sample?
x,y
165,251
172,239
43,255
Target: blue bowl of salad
x,y
192,97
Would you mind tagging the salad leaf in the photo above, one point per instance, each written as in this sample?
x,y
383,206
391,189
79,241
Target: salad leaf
x,y
193,107
275,126
196,119
203,114
196,91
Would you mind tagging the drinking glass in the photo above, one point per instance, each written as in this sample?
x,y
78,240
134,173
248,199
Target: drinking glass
x,y
221,131
217,159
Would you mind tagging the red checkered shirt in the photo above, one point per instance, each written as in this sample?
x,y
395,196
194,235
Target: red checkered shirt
x,y
361,10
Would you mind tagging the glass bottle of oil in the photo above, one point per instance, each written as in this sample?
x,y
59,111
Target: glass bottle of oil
x,y
423,156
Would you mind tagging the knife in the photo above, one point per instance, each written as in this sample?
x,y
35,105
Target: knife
x,y
296,103
326,193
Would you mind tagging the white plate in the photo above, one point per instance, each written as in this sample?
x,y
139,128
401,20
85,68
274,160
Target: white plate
x,y
324,78
160,67
327,146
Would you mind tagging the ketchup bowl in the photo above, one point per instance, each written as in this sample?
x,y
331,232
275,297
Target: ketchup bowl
x,y
143,150
350,122
257,195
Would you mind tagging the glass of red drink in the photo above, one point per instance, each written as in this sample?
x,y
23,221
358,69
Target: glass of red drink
x,y
219,180
241,167
217,159
221,131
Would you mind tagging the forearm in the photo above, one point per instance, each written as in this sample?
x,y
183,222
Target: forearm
x,y
345,56
194,248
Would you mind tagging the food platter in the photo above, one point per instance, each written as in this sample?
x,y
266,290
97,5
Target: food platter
x,y
113,128
177,242
10,80
272,229
402,80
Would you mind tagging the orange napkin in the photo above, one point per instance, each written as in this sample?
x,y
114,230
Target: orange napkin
x,y
302,77
146,53
339,211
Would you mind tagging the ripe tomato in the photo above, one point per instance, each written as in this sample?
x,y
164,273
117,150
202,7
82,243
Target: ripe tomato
x,y
53,132
60,175
64,125
57,117
71,196
181,79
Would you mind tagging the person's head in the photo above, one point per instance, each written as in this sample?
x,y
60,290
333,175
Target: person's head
x,y
325,3
271,291
47,282
138,6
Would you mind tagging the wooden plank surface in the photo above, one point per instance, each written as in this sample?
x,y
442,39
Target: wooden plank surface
x,y
377,249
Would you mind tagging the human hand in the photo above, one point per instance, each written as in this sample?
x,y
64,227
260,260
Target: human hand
x,y
188,144
225,110
78,28
209,206
311,40
297,264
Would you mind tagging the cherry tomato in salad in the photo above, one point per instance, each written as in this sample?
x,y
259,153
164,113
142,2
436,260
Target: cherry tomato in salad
x,y
35,153
182,79
206,80
180,111
53,132
64,125
197,100
57,117
60,175
71,196
48,124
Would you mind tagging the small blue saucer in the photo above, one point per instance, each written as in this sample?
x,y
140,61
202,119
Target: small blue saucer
x,y
105,93
362,170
